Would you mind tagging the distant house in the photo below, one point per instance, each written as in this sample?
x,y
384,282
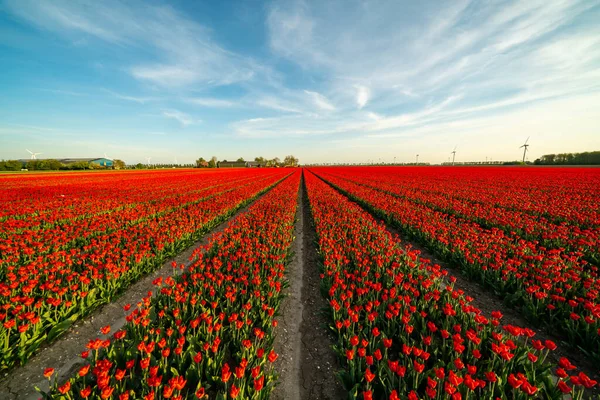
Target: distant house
x,y
231,164
253,164
204,164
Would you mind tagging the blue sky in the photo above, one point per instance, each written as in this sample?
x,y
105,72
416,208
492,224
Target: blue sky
x,y
327,81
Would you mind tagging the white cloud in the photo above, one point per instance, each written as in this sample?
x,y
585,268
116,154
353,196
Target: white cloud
x,y
278,104
184,50
320,101
362,96
183,118
374,116
211,102
165,75
362,70
141,100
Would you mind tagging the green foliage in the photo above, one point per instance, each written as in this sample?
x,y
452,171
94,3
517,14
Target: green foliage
x,y
79,165
119,164
274,162
585,158
290,161
10,165
44,165
213,162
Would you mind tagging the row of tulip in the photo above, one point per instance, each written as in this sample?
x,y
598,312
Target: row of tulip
x,y
208,332
43,292
559,194
21,246
548,285
402,334
33,197
569,237
62,204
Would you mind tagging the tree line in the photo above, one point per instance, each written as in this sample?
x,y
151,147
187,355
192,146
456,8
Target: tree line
x,y
585,158
288,161
54,165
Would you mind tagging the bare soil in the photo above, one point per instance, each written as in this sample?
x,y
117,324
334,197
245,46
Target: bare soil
x,y
308,365
64,354
288,342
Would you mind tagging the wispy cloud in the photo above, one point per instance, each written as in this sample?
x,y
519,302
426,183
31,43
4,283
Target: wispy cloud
x,y
320,101
362,96
183,118
141,100
185,51
211,102
278,104
352,71
63,92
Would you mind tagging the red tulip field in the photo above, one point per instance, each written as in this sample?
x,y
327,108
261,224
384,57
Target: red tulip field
x,y
397,324
543,260
60,259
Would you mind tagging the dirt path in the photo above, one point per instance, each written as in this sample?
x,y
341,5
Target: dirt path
x,y
63,354
487,302
288,343
308,363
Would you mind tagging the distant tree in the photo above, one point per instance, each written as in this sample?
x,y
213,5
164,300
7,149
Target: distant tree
x,y
200,162
140,166
273,162
290,161
213,162
10,165
96,166
260,160
79,165
241,159
119,164
44,165
585,158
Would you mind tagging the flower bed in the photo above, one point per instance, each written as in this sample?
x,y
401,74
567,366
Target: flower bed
x,y
47,284
550,286
403,334
208,333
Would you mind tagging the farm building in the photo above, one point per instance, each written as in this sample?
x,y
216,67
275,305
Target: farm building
x,y
254,164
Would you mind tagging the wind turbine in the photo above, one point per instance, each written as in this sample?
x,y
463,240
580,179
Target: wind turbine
x,y
148,160
453,152
417,160
525,146
33,155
